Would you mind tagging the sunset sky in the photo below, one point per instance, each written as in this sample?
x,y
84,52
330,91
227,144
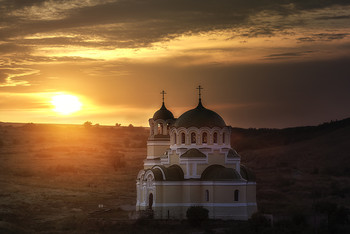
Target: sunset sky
x,y
261,63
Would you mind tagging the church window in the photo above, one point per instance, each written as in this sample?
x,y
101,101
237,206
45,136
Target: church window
x,y
223,138
160,128
174,138
150,201
207,195
205,137
168,128
215,138
149,181
236,198
183,138
193,138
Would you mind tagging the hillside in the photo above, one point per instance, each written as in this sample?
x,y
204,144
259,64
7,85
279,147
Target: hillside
x,y
70,178
297,167
252,138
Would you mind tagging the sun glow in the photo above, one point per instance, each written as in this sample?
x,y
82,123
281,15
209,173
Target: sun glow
x,y
66,104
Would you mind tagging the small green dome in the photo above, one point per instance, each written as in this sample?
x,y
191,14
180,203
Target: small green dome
x,y
163,113
200,117
247,174
219,172
172,173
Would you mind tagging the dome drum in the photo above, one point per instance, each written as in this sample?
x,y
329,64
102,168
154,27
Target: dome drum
x,y
200,136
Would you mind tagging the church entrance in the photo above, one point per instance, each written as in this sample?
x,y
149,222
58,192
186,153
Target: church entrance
x,y
150,201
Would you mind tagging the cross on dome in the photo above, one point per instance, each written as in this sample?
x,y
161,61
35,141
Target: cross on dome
x,y
199,91
163,93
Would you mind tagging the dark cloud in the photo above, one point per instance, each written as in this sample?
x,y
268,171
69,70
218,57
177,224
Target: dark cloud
x,y
331,36
138,23
336,17
9,5
306,39
287,55
324,37
3,76
10,48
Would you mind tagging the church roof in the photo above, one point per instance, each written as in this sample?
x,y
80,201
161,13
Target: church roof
x,y
200,117
247,174
193,153
158,176
219,172
172,173
163,113
232,154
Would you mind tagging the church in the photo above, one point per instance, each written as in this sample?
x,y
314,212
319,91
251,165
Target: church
x,y
190,162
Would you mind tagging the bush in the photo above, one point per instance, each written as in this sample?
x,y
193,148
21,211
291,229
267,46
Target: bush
x,y
87,124
258,222
196,215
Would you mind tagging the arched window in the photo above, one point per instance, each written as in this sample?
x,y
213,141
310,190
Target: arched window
x,y
193,138
205,137
236,198
223,138
183,138
160,128
207,195
149,181
174,138
215,138
150,201
168,128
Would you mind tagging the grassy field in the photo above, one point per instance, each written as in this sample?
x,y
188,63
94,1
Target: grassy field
x,y
293,176
57,178
69,178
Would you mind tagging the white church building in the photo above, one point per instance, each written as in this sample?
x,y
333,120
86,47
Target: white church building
x,y
190,162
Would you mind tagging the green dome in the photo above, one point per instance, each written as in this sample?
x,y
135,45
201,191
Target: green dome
x,y
200,117
247,174
172,173
219,172
163,113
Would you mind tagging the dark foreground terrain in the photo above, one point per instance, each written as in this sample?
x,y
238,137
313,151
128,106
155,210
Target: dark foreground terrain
x,y
81,179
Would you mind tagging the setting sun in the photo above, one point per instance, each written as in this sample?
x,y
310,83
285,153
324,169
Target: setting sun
x,y
66,104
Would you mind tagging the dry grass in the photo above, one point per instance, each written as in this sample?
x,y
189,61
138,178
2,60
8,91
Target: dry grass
x,y
54,179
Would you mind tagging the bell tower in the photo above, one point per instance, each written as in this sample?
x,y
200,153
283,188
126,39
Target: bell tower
x,y
159,138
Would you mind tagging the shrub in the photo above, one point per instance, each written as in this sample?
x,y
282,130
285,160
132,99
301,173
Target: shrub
x,y
196,215
87,124
258,222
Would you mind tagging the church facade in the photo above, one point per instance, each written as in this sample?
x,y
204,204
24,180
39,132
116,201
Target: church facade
x,y
190,162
